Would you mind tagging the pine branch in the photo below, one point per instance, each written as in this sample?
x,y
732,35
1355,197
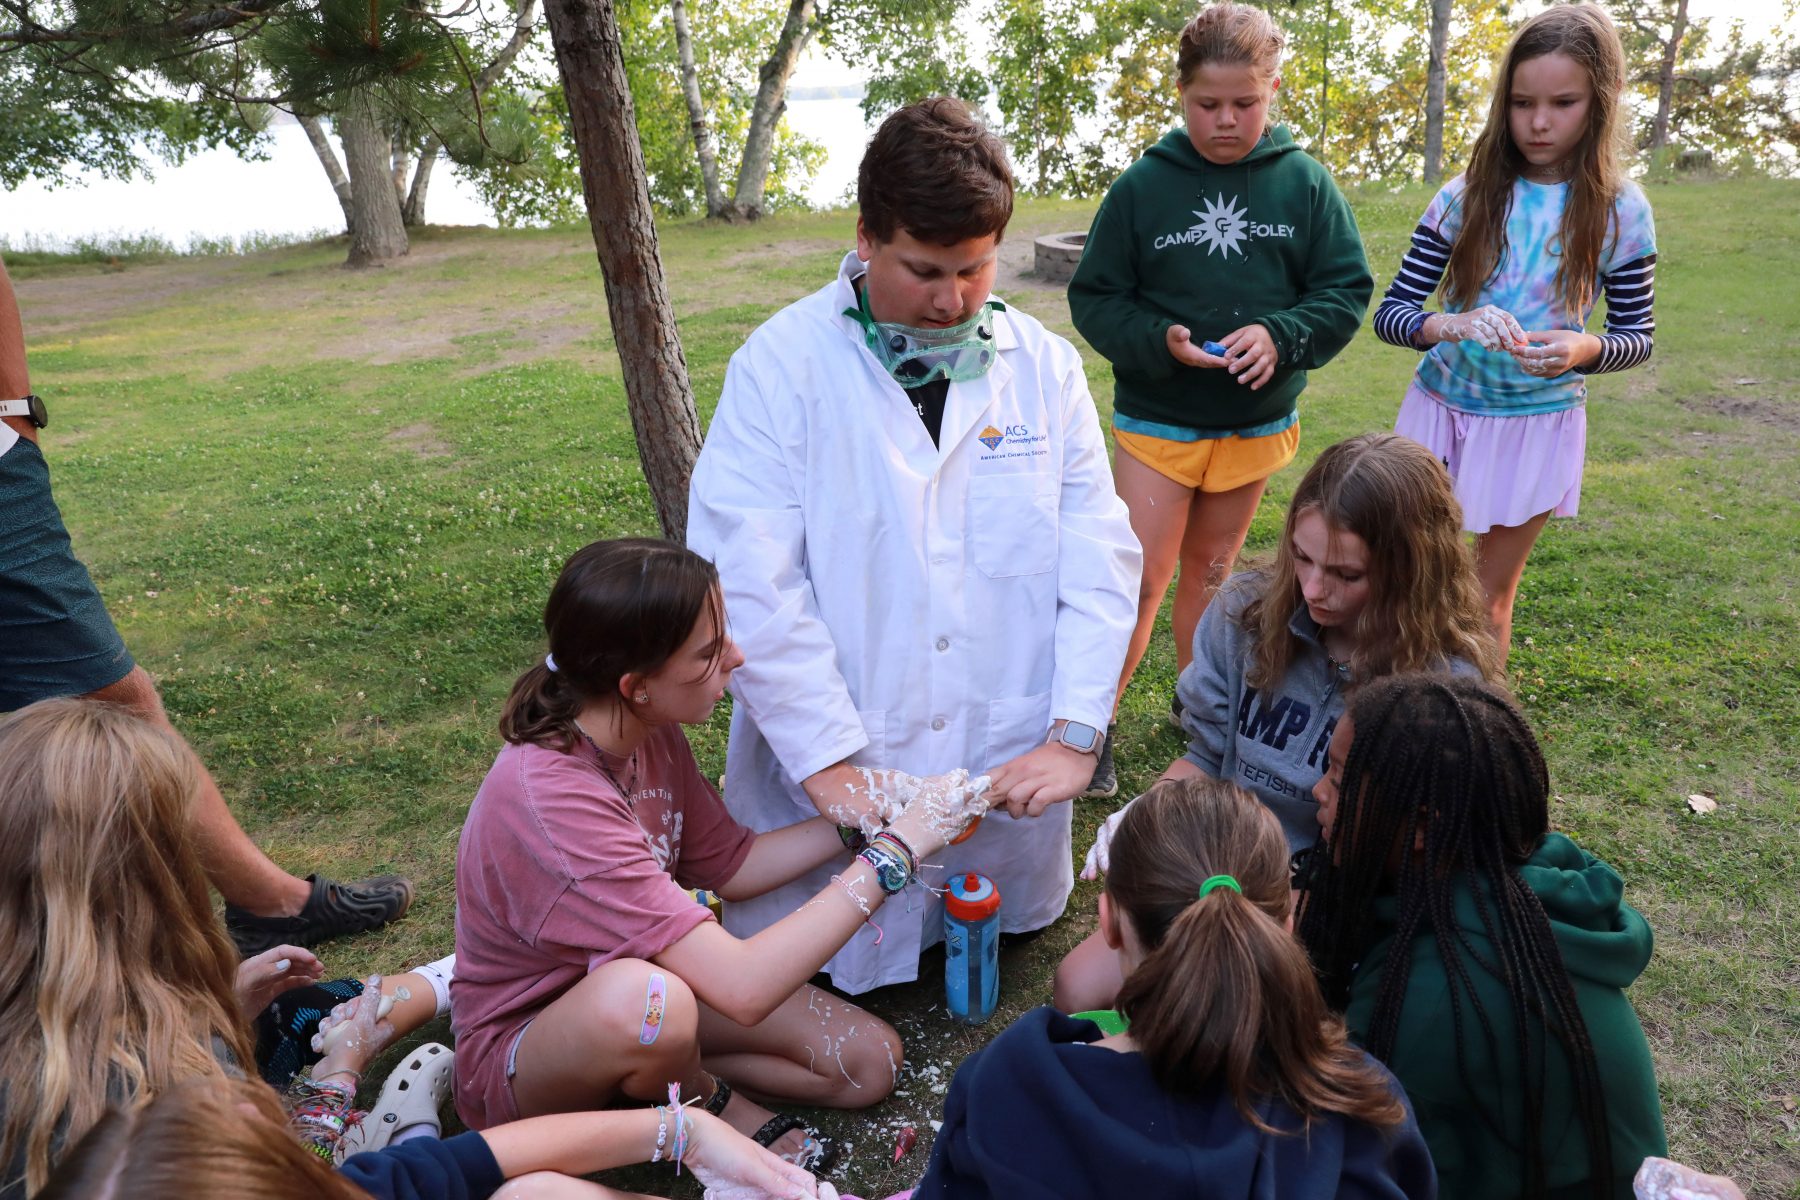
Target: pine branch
x,y
187,26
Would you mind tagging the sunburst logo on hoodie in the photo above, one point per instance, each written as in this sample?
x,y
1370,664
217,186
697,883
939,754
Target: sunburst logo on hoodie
x,y
1222,225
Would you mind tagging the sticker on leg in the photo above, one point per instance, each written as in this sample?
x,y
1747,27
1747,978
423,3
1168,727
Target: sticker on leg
x,y
655,996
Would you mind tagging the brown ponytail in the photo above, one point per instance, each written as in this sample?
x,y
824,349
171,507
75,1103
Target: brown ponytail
x,y
1224,991
619,607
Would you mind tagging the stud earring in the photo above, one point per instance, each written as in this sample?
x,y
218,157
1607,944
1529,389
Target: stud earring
x,y
643,697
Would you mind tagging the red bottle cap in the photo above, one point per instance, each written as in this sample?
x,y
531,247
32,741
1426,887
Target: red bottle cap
x,y
972,897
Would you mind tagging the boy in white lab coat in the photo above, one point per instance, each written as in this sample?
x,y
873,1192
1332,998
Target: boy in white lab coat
x,y
906,491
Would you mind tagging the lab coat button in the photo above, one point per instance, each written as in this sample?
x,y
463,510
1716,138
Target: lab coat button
x,y
943,643
937,724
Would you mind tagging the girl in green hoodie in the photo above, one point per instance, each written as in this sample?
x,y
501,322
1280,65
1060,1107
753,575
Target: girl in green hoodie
x,y
1480,956
1224,234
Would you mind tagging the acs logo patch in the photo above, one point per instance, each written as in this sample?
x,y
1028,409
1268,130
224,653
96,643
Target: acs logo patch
x,y
991,438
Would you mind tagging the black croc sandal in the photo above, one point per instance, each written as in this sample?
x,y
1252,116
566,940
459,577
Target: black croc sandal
x,y
819,1154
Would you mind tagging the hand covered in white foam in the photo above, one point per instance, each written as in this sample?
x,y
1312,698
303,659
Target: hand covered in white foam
x,y
1660,1179
1099,854
356,1035
732,1167
1490,327
937,808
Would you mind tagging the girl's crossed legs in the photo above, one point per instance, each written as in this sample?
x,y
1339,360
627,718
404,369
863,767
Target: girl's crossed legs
x,y
586,1050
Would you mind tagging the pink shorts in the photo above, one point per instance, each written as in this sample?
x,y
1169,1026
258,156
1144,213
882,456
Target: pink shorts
x,y
1507,470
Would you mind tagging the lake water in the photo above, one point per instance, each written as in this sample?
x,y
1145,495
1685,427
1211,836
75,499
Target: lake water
x,y
215,194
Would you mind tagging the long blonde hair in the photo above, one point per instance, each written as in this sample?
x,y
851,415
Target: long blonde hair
x,y
197,1142
1585,34
115,975
1425,603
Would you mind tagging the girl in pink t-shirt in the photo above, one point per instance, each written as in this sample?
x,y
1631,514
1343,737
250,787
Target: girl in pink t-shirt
x,y
585,970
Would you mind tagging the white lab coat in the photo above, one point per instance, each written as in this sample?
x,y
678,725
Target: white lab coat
x,y
907,605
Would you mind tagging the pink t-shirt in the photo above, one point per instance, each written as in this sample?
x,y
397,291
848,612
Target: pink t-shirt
x,y
560,870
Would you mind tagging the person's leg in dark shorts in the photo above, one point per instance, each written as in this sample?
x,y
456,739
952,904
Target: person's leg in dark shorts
x,y
56,639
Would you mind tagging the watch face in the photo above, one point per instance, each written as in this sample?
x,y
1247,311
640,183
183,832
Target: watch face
x,y
38,415
1081,737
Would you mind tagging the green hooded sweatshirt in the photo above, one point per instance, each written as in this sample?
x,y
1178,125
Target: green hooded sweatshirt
x,y
1605,944
1183,241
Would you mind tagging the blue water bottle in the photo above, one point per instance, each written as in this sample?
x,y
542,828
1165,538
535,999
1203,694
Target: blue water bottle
x,y
971,948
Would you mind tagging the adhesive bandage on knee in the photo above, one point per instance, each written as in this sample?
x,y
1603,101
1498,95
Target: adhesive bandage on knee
x,y
656,995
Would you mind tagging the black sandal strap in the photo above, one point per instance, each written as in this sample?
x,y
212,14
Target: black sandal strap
x,y
777,1126
721,1096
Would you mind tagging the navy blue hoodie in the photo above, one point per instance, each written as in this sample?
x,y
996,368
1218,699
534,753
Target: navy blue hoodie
x,y
1039,1114
457,1168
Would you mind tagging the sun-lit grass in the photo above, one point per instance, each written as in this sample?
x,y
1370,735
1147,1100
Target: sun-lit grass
x,y
326,507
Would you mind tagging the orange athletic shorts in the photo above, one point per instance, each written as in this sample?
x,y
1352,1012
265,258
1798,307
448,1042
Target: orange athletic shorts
x,y
1213,464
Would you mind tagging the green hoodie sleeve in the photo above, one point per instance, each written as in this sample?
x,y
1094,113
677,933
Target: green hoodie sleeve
x,y
1103,295
1336,292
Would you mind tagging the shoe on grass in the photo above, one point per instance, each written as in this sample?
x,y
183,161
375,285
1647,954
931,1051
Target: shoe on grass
x,y
1175,713
414,1092
1106,780
332,910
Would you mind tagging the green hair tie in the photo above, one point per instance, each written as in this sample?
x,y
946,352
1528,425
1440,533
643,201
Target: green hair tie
x,y
1219,881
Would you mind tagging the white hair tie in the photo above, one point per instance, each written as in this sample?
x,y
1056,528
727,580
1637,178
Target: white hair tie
x,y
550,663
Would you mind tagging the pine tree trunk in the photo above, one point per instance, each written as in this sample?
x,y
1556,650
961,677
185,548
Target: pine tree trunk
x,y
704,149
592,65
771,102
1665,78
1435,87
412,213
377,233
334,171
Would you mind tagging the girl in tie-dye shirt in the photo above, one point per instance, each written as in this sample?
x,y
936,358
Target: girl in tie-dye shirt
x,y
1523,243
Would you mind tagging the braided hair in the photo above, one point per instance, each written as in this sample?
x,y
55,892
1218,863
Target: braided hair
x,y
1445,790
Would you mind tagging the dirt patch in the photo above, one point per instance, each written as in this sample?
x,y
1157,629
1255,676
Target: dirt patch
x,y
781,251
1752,409
54,304
422,439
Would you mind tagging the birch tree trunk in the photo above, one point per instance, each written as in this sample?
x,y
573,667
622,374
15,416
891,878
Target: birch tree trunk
x,y
412,213
401,170
1435,88
412,204
1665,77
376,232
334,171
771,102
591,61
704,149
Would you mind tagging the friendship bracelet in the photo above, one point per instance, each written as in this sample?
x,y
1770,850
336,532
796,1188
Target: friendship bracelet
x,y
853,838
662,1133
899,843
892,872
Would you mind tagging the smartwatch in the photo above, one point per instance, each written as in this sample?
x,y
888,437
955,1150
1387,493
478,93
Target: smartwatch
x,y
1076,736
29,407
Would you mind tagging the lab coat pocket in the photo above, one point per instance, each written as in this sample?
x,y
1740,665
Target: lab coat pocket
x,y
1012,524
1016,724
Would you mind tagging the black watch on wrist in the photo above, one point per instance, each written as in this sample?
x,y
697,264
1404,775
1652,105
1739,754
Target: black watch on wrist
x,y
29,407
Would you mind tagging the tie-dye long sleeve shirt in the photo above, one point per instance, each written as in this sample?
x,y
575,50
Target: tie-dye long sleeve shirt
x,y
1470,379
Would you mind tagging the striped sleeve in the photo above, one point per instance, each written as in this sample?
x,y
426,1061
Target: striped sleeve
x,y
1630,316
1402,309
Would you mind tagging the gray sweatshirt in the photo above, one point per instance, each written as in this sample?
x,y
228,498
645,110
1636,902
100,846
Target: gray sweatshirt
x,y
1270,742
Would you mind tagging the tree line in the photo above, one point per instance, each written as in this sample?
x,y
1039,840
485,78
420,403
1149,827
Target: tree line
x,y
387,90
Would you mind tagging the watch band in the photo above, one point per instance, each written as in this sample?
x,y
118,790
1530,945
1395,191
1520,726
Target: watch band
x,y
31,408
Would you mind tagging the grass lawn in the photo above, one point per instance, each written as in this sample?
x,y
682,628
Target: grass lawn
x,y
325,508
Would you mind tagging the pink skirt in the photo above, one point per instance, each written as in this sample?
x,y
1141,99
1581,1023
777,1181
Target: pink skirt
x,y
1507,470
